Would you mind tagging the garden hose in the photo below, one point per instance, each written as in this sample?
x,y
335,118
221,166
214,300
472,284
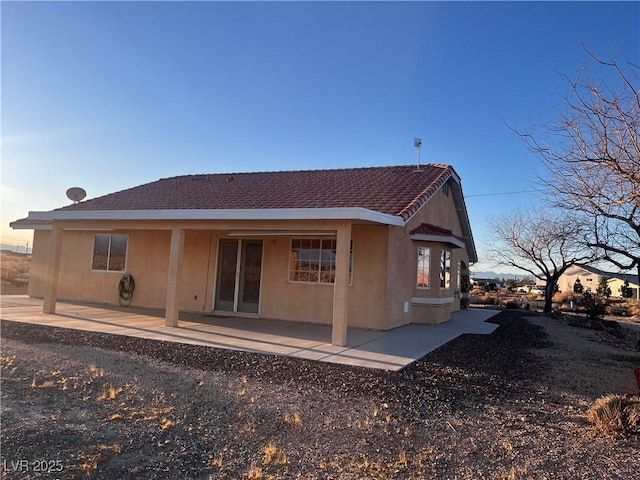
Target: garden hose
x,y
125,290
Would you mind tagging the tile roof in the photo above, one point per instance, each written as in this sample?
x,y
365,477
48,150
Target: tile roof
x,y
429,229
395,190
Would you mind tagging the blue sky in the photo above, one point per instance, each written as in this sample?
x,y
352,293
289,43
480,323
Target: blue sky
x,y
111,95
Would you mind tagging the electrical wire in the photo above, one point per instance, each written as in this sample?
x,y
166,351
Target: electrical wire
x,y
504,193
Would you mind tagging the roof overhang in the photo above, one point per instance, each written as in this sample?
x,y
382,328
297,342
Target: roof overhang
x,y
461,208
448,239
42,220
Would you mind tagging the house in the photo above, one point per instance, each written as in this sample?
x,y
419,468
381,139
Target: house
x,y
590,278
374,247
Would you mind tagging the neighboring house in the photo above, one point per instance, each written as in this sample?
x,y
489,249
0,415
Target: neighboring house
x,y
590,277
371,247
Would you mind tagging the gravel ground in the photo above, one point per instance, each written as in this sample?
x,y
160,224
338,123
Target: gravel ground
x,y
502,406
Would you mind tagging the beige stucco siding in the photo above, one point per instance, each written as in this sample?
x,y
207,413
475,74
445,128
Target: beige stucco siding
x,y
381,296
38,269
147,261
367,295
402,290
296,301
285,300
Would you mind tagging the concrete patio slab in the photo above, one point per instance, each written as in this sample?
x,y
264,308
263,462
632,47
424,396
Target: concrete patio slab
x,y
387,350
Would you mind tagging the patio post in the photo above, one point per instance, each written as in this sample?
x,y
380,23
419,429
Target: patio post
x,y
53,270
341,285
175,258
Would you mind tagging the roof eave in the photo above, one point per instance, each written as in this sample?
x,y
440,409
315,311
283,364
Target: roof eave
x,y
461,207
30,224
448,239
342,213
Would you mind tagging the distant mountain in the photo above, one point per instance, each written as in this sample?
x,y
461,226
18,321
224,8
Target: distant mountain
x,y
506,276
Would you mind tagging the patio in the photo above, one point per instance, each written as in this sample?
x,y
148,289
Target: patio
x,y
387,350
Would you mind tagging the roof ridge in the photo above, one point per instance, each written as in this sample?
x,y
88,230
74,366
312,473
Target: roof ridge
x,y
311,170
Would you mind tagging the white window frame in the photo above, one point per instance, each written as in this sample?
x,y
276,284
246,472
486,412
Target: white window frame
x,y
445,270
421,263
319,282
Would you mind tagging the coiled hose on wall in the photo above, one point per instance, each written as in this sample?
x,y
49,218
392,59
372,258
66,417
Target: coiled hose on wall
x,y
125,290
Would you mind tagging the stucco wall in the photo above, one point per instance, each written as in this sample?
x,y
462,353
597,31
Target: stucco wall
x,y
402,261
148,260
38,269
587,278
306,302
285,300
384,269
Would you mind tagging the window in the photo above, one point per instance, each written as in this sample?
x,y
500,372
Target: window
x,y
109,253
445,269
422,276
314,261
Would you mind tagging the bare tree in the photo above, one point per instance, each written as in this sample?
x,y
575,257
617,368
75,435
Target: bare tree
x,y
541,242
592,156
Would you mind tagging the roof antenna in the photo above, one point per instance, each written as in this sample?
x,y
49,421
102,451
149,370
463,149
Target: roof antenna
x,y
417,143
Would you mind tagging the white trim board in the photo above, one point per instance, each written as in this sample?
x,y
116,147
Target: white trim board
x,y
431,300
347,213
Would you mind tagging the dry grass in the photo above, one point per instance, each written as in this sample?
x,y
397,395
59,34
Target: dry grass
x,y
14,266
254,473
566,297
274,456
293,419
633,307
477,434
616,414
216,461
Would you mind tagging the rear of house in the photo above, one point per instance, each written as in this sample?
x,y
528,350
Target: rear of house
x,y
366,247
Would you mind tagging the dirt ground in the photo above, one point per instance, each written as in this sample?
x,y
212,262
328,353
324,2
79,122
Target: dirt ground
x,y
510,405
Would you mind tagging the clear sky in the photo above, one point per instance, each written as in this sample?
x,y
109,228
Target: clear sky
x,y
110,95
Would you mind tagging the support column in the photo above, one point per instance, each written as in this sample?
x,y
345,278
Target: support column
x,y
175,259
341,286
53,271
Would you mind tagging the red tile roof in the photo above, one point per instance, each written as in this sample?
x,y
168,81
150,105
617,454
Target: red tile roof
x,y
396,190
429,229
435,231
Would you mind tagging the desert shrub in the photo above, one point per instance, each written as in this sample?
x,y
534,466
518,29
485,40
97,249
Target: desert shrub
x,y
616,310
616,414
626,290
566,297
488,299
633,307
477,291
594,305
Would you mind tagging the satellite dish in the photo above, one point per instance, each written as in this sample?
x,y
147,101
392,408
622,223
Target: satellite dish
x,y
76,194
